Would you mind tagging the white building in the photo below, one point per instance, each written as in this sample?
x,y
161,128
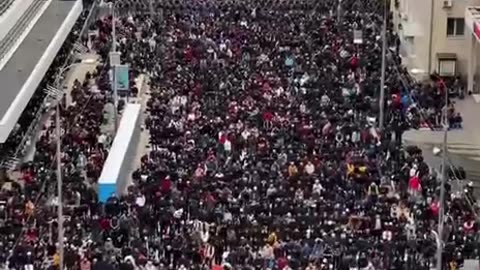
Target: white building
x,y
472,32
436,37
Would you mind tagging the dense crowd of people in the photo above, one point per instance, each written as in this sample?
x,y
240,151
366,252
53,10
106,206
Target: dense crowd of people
x,y
28,207
264,151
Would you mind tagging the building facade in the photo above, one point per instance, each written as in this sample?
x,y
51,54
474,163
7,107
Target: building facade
x,y
434,36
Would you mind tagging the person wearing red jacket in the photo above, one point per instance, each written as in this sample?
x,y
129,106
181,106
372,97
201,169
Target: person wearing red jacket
x,y
267,119
282,263
166,185
105,224
414,186
188,54
435,208
354,62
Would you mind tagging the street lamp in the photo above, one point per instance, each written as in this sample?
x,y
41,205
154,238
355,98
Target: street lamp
x,y
444,152
114,62
444,179
56,93
438,243
339,13
383,67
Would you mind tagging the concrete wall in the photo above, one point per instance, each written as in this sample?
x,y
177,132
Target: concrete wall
x,y
411,14
442,43
417,14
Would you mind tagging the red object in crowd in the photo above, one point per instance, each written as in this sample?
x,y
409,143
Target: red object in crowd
x,y
468,226
209,198
266,87
166,185
97,158
396,101
211,158
199,172
105,224
435,207
267,116
197,89
282,262
441,85
414,183
31,235
77,139
28,178
222,138
217,267
476,30
354,62
364,135
424,124
188,54
202,252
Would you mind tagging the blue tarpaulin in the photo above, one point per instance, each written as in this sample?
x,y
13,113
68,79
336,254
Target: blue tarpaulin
x,y
106,191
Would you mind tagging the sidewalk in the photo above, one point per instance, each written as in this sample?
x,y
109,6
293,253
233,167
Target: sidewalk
x,y
463,144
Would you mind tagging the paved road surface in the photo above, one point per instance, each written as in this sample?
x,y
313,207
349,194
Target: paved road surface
x,y
463,145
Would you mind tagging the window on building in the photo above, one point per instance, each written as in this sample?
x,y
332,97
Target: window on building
x,y
446,67
455,27
404,5
409,46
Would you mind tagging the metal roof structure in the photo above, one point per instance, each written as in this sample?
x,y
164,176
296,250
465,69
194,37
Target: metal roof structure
x,y
27,66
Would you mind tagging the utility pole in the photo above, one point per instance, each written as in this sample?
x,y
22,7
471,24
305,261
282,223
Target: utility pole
x,y
438,243
114,30
114,62
150,4
339,13
441,214
382,78
56,93
59,186
430,39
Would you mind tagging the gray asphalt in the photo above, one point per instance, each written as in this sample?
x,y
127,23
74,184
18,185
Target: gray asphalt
x,y
463,145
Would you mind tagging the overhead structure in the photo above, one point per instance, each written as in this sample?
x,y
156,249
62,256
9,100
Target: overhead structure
x,y
114,176
28,49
